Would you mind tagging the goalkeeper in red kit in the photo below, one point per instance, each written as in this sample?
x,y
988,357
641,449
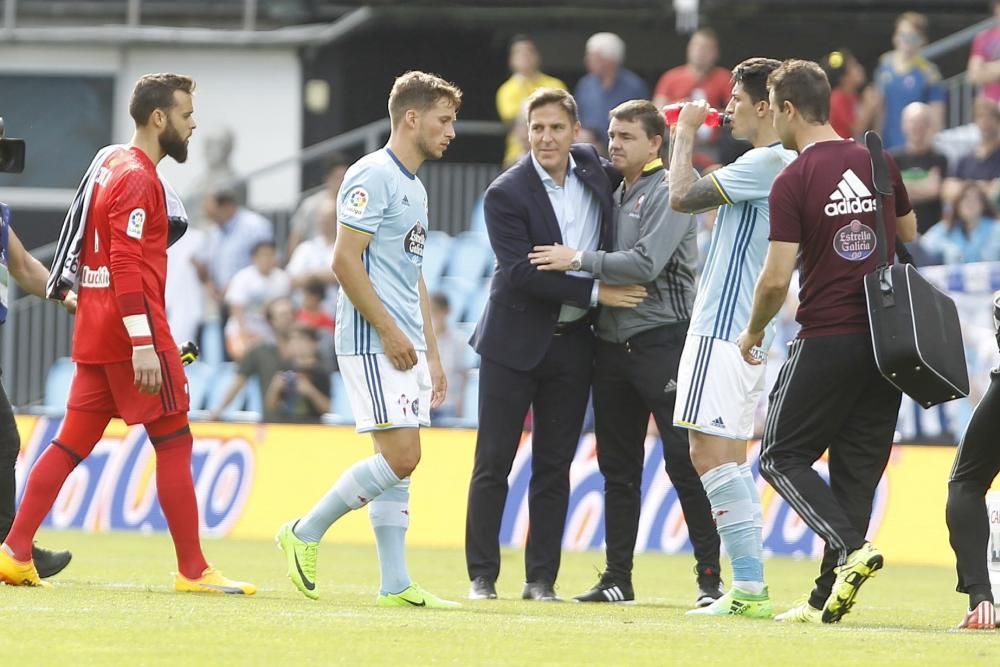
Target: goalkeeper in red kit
x,y
127,364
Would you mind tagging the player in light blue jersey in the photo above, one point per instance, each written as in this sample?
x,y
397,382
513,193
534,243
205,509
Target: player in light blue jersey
x,y
717,391
385,344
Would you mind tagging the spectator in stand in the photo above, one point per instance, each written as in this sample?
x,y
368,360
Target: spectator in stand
x,y
231,238
923,169
301,392
850,111
264,359
453,349
984,59
983,163
313,258
699,78
904,76
606,84
305,221
314,313
969,233
526,77
250,290
184,293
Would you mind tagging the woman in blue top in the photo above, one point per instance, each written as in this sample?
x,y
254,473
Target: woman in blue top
x,y
903,76
969,232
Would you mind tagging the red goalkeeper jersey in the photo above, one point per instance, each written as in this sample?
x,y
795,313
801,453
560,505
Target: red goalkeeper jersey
x,y
124,259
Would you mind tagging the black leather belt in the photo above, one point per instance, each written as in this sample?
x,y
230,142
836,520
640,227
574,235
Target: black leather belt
x,y
581,324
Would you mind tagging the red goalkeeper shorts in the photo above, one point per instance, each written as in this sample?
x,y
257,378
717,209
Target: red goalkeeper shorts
x,y
110,389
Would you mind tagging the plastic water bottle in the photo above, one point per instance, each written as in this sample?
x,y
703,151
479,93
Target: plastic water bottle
x,y
715,118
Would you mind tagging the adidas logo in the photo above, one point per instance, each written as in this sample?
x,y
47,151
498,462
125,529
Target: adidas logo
x,y
406,202
851,196
670,386
718,423
614,594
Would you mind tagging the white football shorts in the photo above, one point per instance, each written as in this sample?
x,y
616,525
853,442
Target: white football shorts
x,y
717,391
382,397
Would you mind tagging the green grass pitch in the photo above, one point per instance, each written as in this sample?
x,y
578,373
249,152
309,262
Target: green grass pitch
x,y
114,605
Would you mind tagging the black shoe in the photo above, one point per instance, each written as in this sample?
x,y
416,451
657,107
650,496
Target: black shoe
x,y
542,591
49,563
709,586
609,589
483,589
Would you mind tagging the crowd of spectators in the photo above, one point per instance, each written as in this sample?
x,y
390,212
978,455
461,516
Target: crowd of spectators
x,y
275,307
904,99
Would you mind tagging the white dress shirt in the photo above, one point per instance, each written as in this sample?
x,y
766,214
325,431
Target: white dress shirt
x,y
578,212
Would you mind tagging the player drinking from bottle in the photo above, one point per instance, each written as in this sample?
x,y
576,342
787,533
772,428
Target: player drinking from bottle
x,y
717,393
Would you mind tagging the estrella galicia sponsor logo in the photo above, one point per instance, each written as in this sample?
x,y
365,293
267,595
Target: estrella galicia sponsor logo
x,y
855,241
99,278
414,242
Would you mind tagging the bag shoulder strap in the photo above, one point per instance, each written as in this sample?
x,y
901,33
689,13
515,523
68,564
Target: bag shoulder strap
x,y
883,188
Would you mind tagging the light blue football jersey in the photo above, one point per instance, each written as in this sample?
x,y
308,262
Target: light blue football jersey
x,y
381,198
739,244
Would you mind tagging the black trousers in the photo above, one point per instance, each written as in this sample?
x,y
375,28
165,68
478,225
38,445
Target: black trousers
x,y
557,389
830,395
10,444
977,463
630,382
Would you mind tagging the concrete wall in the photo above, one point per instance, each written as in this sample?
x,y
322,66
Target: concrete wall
x,y
256,92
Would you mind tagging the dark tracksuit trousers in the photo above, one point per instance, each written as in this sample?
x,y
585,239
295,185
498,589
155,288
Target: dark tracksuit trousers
x,y
829,395
632,380
10,444
977,463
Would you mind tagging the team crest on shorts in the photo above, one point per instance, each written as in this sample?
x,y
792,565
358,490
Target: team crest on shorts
x,y
855,242
415,407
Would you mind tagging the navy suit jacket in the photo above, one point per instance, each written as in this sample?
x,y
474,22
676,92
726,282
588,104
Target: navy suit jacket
x,y
517,324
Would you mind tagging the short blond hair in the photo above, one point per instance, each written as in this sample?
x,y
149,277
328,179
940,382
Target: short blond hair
x,y
420,91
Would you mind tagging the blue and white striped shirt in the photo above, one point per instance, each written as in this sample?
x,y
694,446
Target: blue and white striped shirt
x,y
381,198
739,244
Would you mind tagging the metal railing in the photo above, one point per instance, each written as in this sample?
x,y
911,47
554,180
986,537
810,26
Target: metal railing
x,y
961,96
961,92
35,334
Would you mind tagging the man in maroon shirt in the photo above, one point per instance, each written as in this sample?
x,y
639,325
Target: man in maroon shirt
x,y
823,216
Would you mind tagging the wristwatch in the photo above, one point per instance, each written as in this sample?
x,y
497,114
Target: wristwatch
x,y
577,262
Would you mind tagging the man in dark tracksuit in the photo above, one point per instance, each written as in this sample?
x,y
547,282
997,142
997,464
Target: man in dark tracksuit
x,y
31,276
977,463
638,351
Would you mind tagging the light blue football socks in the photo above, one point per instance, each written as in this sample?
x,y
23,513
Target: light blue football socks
x,y
390,517
360,484
732,507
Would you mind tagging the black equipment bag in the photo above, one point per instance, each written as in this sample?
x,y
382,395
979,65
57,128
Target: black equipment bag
x,y
915,327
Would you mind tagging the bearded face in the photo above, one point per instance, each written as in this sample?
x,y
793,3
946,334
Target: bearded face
x,y
173,144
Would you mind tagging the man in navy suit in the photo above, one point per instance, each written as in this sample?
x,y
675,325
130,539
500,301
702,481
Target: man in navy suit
x,y
536,340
